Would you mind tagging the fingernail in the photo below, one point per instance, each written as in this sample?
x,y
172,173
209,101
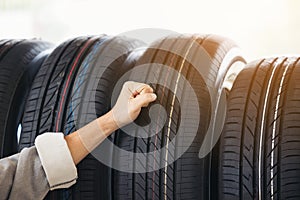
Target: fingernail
x,y
153,96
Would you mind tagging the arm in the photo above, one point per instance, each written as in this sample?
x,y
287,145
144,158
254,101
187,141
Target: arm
x,y
132,98
51,163
74,141
77,145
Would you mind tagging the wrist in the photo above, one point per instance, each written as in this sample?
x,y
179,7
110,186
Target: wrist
x,y
107,123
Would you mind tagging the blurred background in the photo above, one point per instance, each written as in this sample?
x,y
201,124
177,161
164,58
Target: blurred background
x,y
260,27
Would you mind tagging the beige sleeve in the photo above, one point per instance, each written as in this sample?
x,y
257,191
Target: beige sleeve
x,y
56,160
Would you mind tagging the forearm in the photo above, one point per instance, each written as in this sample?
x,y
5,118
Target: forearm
x,y
77,142
132,98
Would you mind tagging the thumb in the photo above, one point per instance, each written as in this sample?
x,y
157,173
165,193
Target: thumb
x,y
143,100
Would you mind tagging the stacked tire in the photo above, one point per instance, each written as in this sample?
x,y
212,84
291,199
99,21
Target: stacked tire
x,y
20,60
176,67
260,145
69,92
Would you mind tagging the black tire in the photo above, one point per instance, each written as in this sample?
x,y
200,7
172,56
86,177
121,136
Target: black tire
x,y
19,62
50,92
188,177
260,145
90,98
6,45
50,104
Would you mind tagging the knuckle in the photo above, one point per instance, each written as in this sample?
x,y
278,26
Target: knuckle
x,y
127,83
148,88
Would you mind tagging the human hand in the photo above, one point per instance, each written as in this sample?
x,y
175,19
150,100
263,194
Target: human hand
x,y
132,98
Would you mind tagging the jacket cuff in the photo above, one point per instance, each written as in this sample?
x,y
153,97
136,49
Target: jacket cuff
x,y
56,160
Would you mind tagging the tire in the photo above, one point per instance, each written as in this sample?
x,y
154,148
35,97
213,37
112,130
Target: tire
x,y
50,92
189,177
19,62
260,144
62,83
6,45
90,98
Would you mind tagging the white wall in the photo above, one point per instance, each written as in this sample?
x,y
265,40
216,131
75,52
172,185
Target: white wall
x,y
260,27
